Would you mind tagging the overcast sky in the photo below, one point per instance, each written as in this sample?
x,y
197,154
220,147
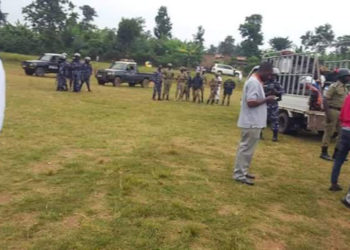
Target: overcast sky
x,y
219,17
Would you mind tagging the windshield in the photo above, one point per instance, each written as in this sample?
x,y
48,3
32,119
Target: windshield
x,y
118,66
45,58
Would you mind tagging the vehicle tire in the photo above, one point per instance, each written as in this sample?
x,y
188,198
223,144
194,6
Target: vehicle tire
x,y
29,72
101,82
40,71
220,72
117,82
284,123
131,84
145,83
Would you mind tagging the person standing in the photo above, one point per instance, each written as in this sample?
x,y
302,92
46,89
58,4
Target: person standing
x,y
218,92
197,84
168,75
213,91
76,67
158,80
188,86
86,73
273,87
181,80
252,119
205,81
343,146
332,103
229,86
63,68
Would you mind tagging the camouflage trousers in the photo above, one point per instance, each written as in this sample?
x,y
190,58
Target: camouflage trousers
x,y
167,87
213,92
272,116
196,95
330,127
179,90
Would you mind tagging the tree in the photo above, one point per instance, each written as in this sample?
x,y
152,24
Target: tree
x,y
253,37
48,18
320,39
89,14
280,43
163,24
212,49
343,44
199,37
129,30
227,47
3,17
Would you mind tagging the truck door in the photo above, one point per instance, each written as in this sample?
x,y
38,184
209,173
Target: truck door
x,y
131,73
53,65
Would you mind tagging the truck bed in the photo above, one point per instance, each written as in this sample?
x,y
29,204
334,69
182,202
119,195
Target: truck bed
x,y
298,104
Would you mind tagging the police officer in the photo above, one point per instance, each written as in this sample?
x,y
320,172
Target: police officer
x,y
86,73
229,86
76,67
168,76
205,81
213,90
181,81
158,80
333,101
188,86
63,68
273,87
197,83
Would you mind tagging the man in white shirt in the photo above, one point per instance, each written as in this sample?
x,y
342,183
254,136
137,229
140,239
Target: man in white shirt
x,y
2,95
251,120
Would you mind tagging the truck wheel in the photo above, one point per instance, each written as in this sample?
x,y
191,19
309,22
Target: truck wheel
x,y
117,81
284,123
29,72
131,84
39,71
101,82
145,83
220,72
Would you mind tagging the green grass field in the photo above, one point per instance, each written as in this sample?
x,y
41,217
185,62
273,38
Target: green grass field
x,y
113,169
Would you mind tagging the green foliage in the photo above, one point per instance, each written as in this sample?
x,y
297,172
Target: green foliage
x,y
129,30
89,14
251,62
343,44
319,39
19,39
163,24
212,49
252,35
3,17
199,37
227,47
280,43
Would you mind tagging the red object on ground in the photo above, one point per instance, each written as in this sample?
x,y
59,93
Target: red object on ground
x,y
345,113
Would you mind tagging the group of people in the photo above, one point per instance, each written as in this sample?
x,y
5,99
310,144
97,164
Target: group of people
x,y
186,84
76,72
254,111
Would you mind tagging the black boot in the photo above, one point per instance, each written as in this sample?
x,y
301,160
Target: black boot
x,y
324,155
275,135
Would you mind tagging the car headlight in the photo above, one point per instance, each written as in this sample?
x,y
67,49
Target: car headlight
x,y
32,64
109,73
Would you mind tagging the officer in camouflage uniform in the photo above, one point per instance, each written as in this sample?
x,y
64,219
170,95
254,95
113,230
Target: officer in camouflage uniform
x,y
86,73
205,81
333,102
214,83
181,81
168,76
76,67
188,86
273,87
63,71
157,79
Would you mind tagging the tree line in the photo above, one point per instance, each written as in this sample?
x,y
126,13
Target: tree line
x,y
60,26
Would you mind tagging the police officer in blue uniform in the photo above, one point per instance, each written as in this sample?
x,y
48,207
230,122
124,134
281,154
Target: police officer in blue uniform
x,y
63,68
86,73
158,80
76,67
273,87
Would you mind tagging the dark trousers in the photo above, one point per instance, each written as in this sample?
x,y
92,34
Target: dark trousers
x,y
343,150
87,81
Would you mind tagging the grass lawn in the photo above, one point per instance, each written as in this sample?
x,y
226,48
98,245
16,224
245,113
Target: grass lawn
x,y
113,169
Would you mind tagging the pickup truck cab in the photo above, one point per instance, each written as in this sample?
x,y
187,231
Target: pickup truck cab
x,y
47,63
123,71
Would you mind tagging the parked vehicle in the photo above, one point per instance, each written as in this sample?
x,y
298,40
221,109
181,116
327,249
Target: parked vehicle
x,y
224,69
47,63
123,71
